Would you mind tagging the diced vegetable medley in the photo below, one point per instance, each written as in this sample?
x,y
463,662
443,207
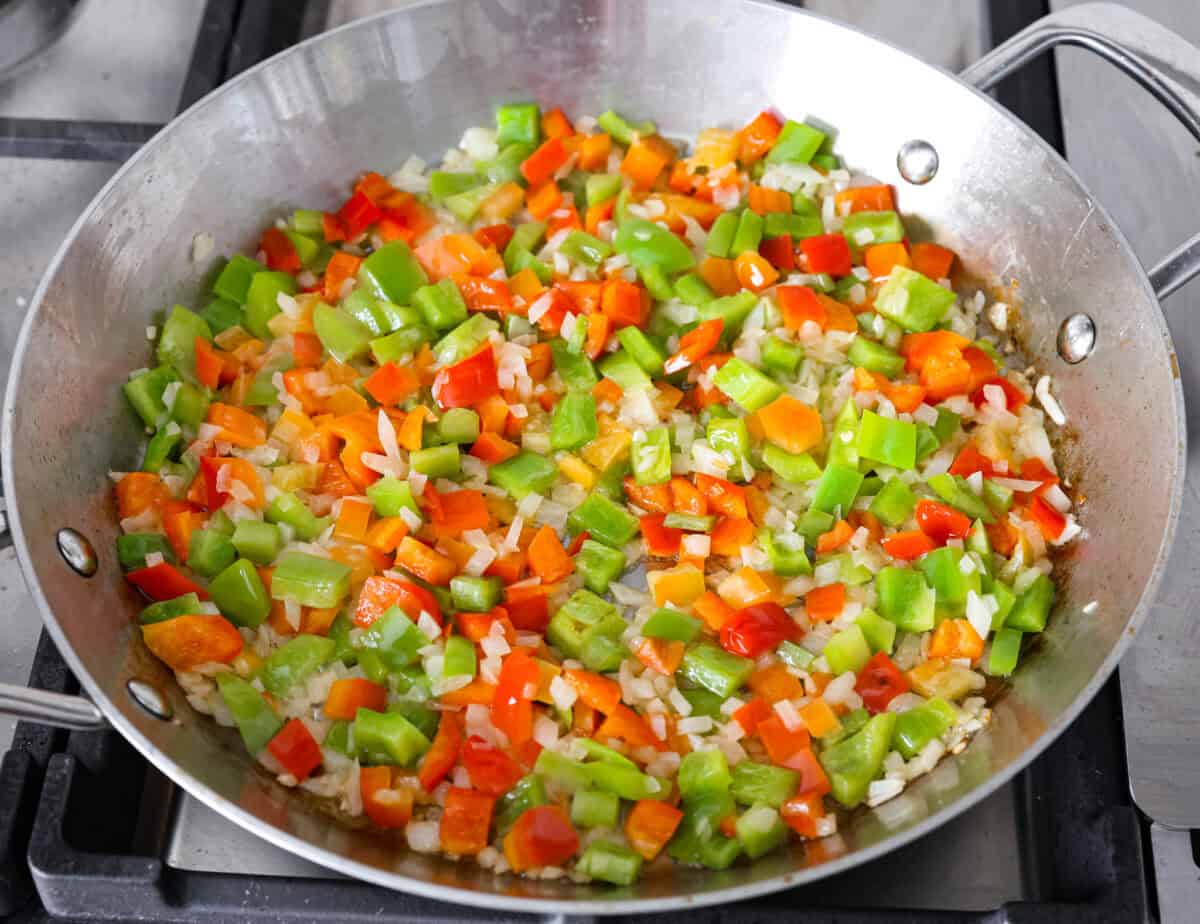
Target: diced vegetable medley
x,y
579,502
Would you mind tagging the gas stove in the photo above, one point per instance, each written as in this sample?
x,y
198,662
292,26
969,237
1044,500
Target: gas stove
x,y
90,832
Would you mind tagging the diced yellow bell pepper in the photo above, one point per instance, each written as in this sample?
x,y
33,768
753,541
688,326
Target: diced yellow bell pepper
x,y
941,678
577,470
680,585
606,451
296,476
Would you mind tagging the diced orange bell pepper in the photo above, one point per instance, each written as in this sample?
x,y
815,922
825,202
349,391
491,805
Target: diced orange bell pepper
x,y
187,641
790,424
387,804
350,694
650,825
955,638
825,603
546,556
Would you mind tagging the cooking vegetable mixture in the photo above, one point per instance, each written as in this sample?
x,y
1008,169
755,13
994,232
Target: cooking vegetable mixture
x,y
581,502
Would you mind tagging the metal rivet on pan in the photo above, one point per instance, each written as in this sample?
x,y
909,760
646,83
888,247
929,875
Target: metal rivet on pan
x,y
150,698
1076,338
77,552
917,162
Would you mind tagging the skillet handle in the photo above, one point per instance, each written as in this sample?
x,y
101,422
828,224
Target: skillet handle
x,y
54,709
1161,61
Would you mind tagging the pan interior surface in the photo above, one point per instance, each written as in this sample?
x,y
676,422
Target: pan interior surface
x,y
298,128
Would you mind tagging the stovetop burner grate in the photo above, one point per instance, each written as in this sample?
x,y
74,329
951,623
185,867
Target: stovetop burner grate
x,y
84,819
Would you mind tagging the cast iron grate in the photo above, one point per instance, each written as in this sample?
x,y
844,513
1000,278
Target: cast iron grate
x,y
70,845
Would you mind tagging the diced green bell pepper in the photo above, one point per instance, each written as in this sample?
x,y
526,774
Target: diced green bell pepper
x,y
720,235
185,605
704,773
754,783
797,144
582,617
529,792
575,369
748,234
905,598
795,656
648,244
233,282
942,570
145,393
160,448
210,553
760,830
518,122
875,357
294,662
621,130
837,489
672,625
388,496
880,633
715,669
645,352
476,594
954,491
855,761
1006,651
459,658
608,862
190,406
239,594
600,187
459,425
177,343
505,167
525,473
789,466
795,225
780,356
606,521
392,273
437,461
289,509
310,580
256,721
894,504
599,565
913,301
843,446
891,442
132,549
566,774
786,553
344,337
884,228
916,727
394,639
262,300
573,423
740,381
848,650
441,304
387,738
623,369
593,808
1032,608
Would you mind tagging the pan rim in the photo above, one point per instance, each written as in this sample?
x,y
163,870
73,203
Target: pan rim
x,y
496,899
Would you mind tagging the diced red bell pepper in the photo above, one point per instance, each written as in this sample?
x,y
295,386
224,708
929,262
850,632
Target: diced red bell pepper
x,y
779,252
381,593
784,746
695,345
827,253
542,836
529,614
209,364
970,460
164,582
1014,398
661,541
512,709
443,753
466,820
490,769
940,521
483,294
1049,521
813,781
281,253
357,214
801,814
468,382
296,749
758,629
879,682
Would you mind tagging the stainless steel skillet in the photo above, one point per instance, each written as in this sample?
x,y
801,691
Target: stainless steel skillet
x,y
295,128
